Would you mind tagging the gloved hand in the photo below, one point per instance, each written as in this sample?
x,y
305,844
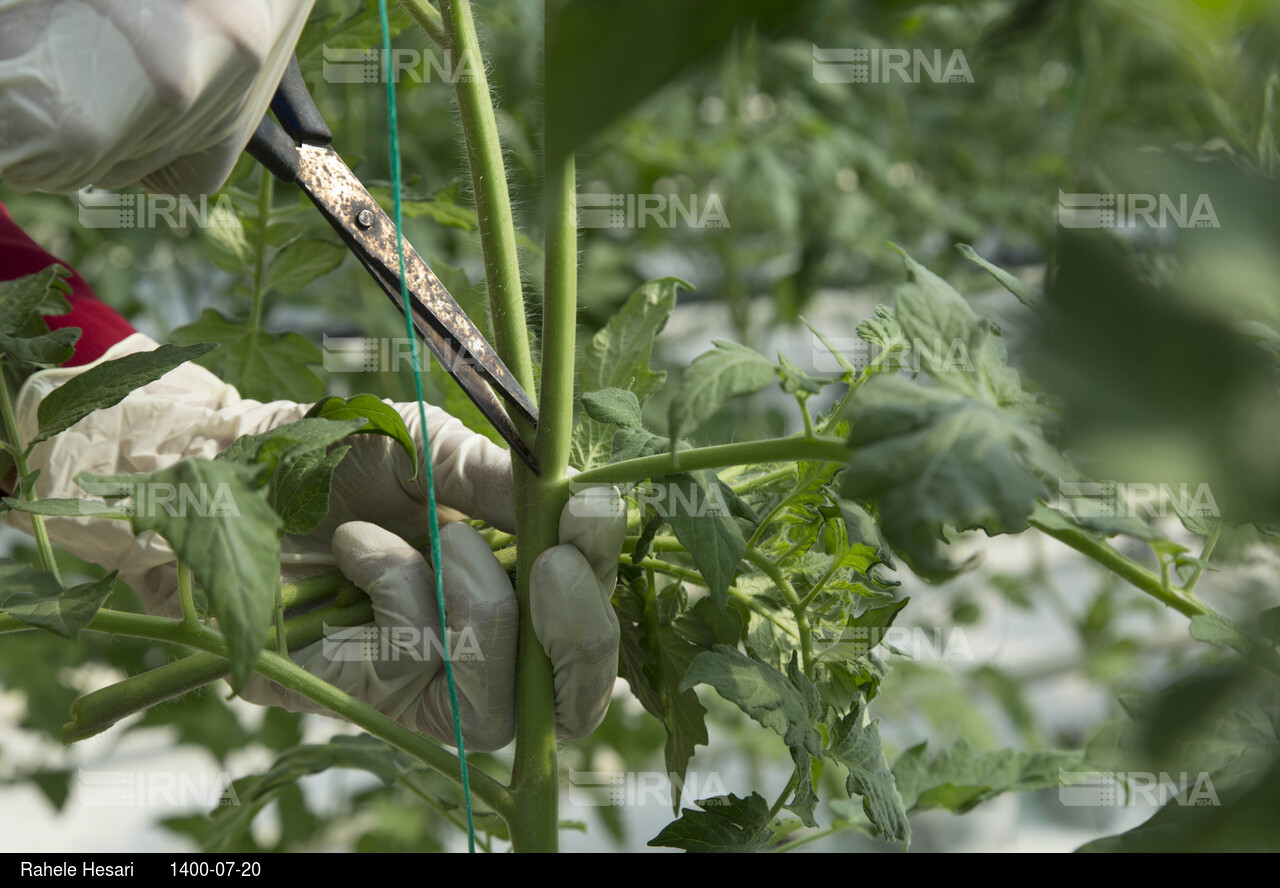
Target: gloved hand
x,y
115,92
374,506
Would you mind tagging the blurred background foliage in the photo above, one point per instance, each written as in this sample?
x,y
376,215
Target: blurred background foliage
x,y
1161,350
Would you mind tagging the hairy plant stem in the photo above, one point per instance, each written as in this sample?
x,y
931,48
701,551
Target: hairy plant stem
x,y
782,796
289,675
1189,587
190,618
260,250
772,450
99,710
535,780
489,183
43,546
428,18
539,497
771,569
1152,584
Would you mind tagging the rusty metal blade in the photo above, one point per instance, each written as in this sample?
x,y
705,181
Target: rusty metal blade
x,y
444,326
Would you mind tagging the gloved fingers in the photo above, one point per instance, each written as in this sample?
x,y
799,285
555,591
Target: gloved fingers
x,y
577,627
595,521
472,474
400,583
376,482
483,619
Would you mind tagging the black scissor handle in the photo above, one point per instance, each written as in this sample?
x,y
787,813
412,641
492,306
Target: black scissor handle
x,y
297,111
275,145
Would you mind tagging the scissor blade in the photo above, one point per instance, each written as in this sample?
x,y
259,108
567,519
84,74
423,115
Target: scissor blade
x,y
358,219
468,379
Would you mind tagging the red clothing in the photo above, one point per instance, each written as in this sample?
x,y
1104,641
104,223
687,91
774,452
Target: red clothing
x,y
100,325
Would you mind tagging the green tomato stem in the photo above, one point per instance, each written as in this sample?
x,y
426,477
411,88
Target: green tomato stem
x,y
292,677
428,18
43,545
797,447
771,569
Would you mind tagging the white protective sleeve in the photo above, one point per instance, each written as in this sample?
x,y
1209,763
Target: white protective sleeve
x,y
165,93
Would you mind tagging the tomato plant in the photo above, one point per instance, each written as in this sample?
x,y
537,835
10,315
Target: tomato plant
x,y
762,569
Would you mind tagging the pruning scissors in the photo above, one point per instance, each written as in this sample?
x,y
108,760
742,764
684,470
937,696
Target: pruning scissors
x,y
296,149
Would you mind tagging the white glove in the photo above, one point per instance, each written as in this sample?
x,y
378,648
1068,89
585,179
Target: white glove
x,y
114,92
373,506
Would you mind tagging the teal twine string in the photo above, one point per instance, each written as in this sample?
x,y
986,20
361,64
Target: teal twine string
x,y
436,563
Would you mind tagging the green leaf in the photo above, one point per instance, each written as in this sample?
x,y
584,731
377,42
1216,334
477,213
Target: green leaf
x,y
795,381
602,58
838,354
107,384
1269,624
1105,525
253,793
618,355
635,443
725,824
728,371
884,332
224,529
613,406
276,447
1218,630
959,778
660,638
1244,819
300,495
805,799
706,528
55,785
299,460
858,748
35,598
198,719
590,444
46,350
1225,739
929,458
262,366
862,633
301,262
958,348
33,295
381,419
228,247
1027,296
442,207
862,529
786,704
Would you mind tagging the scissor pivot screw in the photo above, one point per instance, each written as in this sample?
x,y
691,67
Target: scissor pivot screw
x,y
364,219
